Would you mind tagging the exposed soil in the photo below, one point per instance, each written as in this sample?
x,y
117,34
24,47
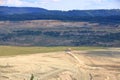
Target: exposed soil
x,y
61,66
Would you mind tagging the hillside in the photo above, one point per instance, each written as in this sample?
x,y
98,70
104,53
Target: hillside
x,y
58,33
28,26
29,13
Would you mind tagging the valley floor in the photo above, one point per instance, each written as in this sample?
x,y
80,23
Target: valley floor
x,y
100,64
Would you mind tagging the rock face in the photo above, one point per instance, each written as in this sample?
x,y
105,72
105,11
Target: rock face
x,y
58,33
61,66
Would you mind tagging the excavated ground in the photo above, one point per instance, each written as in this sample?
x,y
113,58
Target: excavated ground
x,y
77,65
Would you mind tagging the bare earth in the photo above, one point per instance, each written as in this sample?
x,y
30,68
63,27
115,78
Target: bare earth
x,y
77,65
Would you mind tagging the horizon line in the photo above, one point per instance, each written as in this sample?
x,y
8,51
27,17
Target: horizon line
x,y
56,9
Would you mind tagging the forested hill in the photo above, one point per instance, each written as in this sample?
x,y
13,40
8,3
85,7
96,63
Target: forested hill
x,y
29,13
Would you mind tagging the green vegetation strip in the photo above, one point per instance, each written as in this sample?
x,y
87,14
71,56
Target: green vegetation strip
x,y
15,50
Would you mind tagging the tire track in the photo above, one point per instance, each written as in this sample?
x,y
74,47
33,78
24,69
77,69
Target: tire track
x,y
81,67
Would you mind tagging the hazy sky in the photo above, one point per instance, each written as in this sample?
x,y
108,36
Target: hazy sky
x,y
64,4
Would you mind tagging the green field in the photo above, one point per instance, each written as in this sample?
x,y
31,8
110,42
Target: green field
x,y
15,50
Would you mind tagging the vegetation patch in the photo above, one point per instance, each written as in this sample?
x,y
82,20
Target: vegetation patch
x,y
15,50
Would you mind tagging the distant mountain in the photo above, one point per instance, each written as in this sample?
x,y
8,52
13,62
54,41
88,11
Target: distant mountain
x,y
30,13
19,10
27,26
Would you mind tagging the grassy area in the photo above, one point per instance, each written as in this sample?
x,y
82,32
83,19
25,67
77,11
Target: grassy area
x,y
15,50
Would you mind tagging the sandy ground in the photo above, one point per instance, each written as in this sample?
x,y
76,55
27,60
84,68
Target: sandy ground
x,y
78,65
